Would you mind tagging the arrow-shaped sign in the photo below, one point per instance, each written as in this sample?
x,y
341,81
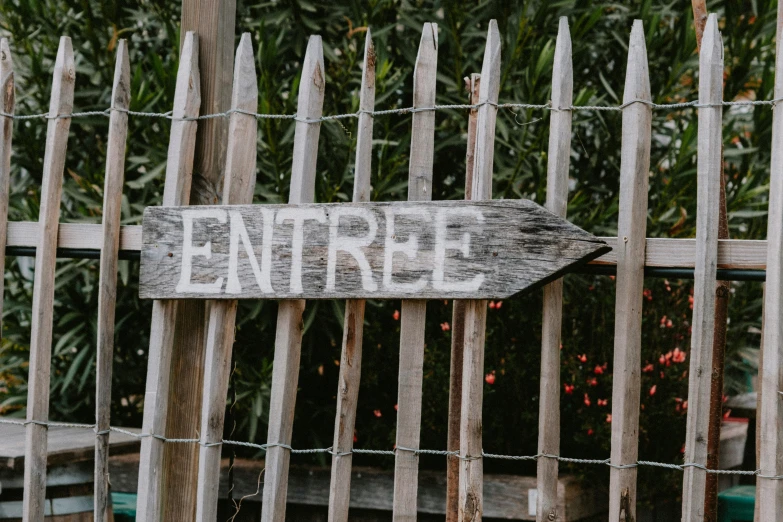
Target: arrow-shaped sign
x,y
432,250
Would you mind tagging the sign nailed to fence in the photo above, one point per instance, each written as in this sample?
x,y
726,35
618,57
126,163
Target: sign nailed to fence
x,y
432,250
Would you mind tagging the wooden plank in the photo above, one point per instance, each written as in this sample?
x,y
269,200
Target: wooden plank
x,y
440,250
770,450
413,313
214,23
558,163
458,331
353,325
61,103
179,168
7,104
632,228
709,170
239,182
288,340
471,499
107,296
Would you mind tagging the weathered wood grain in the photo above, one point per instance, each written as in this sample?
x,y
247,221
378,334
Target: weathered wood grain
x,y
558,163
239,182
463,250
473,85
7,104
770,492
632,228
61,103
179,169
107,296
709,170
288,340
413,313
471,478
353,325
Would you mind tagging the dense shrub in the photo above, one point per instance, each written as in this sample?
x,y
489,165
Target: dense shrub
x,y
280,29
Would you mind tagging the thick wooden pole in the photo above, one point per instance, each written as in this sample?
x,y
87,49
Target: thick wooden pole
x,y
473,85
558,162
213,23
709,171
632,228
471,476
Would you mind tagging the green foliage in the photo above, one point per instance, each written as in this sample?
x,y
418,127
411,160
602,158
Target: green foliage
x,y
280,29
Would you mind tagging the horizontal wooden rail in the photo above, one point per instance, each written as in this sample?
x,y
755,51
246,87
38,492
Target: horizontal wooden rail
x,y
740,254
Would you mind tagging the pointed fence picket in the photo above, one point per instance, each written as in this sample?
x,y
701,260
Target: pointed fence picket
x,y
632,253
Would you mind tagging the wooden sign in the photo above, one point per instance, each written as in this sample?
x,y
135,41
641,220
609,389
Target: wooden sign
x,y
431,250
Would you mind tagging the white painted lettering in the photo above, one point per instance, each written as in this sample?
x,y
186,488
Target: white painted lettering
x,y
189,252
352,245
239,233
442,244
409,248
298,216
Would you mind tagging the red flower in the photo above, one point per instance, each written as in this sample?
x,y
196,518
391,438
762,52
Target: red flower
x,y
587,400
690,302
396,315
490,377
603,402
377,413
648,368
663,321
662,375
355,438
445,326
592,382
678,355
609,417
653,389
396,407
647,294
662,359
582,358
598,370
491,305
569,388
590,431
498,305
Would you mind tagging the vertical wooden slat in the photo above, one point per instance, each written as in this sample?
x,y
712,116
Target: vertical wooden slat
x,y
770,492
632,229
213,21
471,503
458,330
558,162
107,296
288,341
179,170
7,103
61,103
351,356
709,170
239,182
413,313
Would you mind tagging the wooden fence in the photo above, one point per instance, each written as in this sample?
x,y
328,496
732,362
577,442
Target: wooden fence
x,y
632,252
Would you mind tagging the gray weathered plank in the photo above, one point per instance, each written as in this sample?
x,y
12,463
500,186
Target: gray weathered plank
x,y
473,85
288,340
770,492
239,182
413,313
60,104
353,326
558,162
7,103
469,250
179,170
632,227
709,170
107,296
471,481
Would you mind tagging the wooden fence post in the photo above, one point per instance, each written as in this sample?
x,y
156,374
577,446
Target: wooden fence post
x,y
353,327
107,296
558,162
60,104
631,230
709,170
239,183
213,23
7,102
471,470
288,340
769,497
179,169
458,330
413,313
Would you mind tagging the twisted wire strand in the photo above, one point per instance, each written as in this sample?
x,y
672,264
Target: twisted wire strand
x,y
390,453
